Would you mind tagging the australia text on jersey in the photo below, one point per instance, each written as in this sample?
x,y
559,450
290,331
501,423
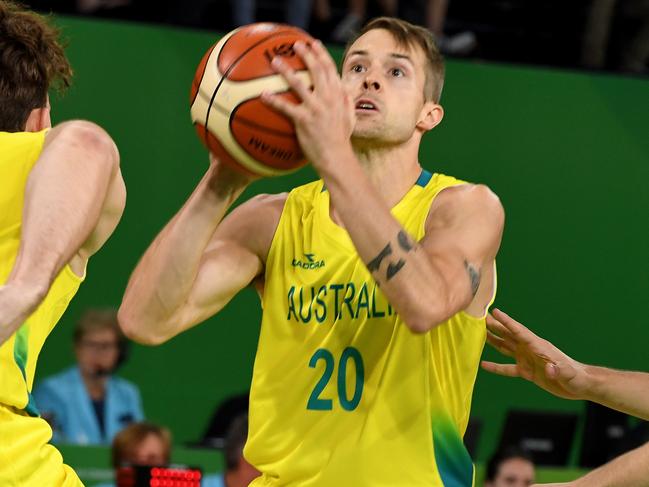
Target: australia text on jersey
x,y
335,301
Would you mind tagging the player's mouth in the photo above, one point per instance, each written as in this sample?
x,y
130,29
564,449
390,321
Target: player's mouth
x,y
366,105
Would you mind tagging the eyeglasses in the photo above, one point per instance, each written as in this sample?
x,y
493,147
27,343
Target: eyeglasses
x,y
99,347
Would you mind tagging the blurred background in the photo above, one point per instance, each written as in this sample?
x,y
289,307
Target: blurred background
x,y
546,102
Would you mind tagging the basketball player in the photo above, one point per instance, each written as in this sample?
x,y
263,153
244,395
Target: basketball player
x,y
539,361
62,196
375,279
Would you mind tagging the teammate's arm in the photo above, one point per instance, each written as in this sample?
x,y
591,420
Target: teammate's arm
x,y
539,361
74,198
199,262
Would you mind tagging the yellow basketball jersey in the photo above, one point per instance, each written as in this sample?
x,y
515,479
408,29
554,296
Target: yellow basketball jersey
x,y
343,393
18,355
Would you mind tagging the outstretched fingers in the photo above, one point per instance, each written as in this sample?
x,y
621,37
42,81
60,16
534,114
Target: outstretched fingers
x,y
500,344
508,370
517,331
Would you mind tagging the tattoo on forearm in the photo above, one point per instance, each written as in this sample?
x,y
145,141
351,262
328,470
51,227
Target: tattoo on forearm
x,y
374,264
404,241
394,268
474,275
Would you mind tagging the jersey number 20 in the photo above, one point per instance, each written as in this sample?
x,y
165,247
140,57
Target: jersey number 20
x,y
349,353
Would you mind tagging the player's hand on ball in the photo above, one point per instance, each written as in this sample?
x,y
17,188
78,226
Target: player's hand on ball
x,y
325,119
537,360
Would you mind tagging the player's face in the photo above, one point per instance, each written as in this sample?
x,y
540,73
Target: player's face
x,y
97,352
386,83
515,472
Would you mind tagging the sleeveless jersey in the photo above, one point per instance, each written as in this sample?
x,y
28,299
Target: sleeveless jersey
x,y
18,355
343,393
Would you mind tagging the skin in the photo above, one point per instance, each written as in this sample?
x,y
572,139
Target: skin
x,y
60,226
151,451
242,475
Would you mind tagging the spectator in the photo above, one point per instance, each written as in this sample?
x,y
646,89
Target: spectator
x,y
141,443
86,404
510,467
238,472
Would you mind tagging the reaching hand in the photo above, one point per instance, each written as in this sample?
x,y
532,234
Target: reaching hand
x,y
537,360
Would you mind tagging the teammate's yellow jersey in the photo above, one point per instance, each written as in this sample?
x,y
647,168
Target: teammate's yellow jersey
x,y
18,355
343,393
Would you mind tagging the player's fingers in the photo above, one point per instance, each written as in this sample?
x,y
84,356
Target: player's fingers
x,y
499,344
496,327
314,64
517,330
324,57
285,107
296,84
508,370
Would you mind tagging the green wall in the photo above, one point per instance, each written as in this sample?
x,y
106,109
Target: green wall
x,y
565,152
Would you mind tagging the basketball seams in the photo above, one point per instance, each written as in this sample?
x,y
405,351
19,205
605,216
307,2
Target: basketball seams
x,y
234,124
198,85
234,63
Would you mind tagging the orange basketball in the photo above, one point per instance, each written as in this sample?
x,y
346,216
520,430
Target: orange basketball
x,y
229,116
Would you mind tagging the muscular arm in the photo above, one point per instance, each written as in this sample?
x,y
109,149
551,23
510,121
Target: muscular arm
x,y
198,262
427,281
73,200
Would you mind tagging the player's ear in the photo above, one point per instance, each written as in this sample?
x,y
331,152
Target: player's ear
x,y
430,116
39,119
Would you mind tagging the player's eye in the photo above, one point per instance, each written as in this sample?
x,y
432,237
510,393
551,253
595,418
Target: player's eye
x,y
357,68
397,72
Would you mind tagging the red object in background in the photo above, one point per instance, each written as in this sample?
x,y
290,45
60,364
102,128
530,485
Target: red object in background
x,y
143,476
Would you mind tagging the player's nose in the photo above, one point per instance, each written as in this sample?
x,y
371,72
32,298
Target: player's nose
x,y
371,82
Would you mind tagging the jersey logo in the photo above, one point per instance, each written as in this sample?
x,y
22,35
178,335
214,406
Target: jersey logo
x,y
309,263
